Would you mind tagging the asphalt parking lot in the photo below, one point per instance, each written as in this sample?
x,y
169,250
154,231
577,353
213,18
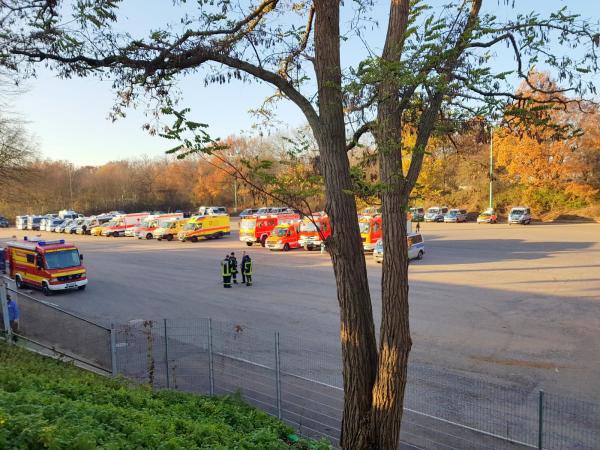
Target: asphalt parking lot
x,y
518,303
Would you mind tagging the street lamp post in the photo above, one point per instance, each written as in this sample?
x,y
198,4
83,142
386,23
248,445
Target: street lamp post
x,y
491,167
71,185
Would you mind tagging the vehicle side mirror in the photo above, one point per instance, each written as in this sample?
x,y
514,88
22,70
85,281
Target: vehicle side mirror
x,y
80,257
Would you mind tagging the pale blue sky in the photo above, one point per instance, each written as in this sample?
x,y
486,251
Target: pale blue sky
x,y
68,118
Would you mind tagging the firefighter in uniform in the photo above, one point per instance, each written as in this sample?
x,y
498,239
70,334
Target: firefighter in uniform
x,y
233,266
226,271
247,270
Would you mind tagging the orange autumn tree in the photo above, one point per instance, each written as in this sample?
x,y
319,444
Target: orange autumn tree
x,y
544,164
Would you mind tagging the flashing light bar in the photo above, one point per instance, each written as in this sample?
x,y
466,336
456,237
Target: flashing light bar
x,y
43,243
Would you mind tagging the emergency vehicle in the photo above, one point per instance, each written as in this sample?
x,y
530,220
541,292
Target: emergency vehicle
x,y
118,225
170,229
205,227
48,265
257,228
284,236
370,230
147,227
314,230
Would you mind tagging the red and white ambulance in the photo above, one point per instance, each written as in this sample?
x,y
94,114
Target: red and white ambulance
x,y
146,228
121,223
48,265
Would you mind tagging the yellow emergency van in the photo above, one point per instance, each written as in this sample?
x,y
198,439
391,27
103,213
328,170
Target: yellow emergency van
x,y
170,229
205,227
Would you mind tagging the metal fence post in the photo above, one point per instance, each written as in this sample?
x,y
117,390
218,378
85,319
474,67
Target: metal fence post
x,y
113,349
4,302
278,374
541,421
166,355
211,369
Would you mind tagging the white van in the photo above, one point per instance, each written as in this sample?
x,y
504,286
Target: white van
x,y
519,214
416,247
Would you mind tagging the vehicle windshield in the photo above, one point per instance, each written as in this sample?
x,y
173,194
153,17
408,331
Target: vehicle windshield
x,y
192,226
280,232
517,212
308,226
263,211
452,213
36,220
112,223
247,224
62,259
379,246
485,214
148,223
165,223
364,227
433,210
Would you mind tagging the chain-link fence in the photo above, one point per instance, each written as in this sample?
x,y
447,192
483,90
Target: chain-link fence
x,y
51,328
301,383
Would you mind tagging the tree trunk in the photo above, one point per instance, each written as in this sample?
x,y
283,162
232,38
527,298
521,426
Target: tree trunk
x,y
357,331
395,341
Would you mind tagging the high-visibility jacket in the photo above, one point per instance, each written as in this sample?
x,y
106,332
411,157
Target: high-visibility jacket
x,y
247,267
233,264
225,268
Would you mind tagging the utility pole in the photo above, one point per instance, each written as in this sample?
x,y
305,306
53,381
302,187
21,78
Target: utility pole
x,y
491,167
71,185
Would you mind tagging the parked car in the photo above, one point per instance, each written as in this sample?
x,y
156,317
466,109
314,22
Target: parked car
x,y
33,222
436,214
416,247
455,216
3,222
61,228
72,228
487,216
417,214
52,224
248,212
520,215
211,210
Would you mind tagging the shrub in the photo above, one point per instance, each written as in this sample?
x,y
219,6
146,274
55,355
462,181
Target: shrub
x,y
46,403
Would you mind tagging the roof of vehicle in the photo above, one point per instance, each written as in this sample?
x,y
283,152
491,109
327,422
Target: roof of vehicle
x,y
39,245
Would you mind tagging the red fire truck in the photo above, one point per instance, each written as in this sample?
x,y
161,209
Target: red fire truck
x,y
48,265
313,230
257,228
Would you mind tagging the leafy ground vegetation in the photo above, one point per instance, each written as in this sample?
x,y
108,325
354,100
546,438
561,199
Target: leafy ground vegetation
x,y
46,403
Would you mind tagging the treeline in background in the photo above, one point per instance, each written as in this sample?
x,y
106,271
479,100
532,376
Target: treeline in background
x,y
555,170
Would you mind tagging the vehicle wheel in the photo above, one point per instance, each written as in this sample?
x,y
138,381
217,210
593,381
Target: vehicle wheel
x,y
263,241
420,255
149,236
46,290
19,283
286,247
81,288
249,244
169,237
194,239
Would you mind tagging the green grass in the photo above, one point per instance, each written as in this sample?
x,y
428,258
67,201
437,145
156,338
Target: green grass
x,y
46,403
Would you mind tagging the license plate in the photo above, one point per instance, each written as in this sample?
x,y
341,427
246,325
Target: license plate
x,y
70,285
